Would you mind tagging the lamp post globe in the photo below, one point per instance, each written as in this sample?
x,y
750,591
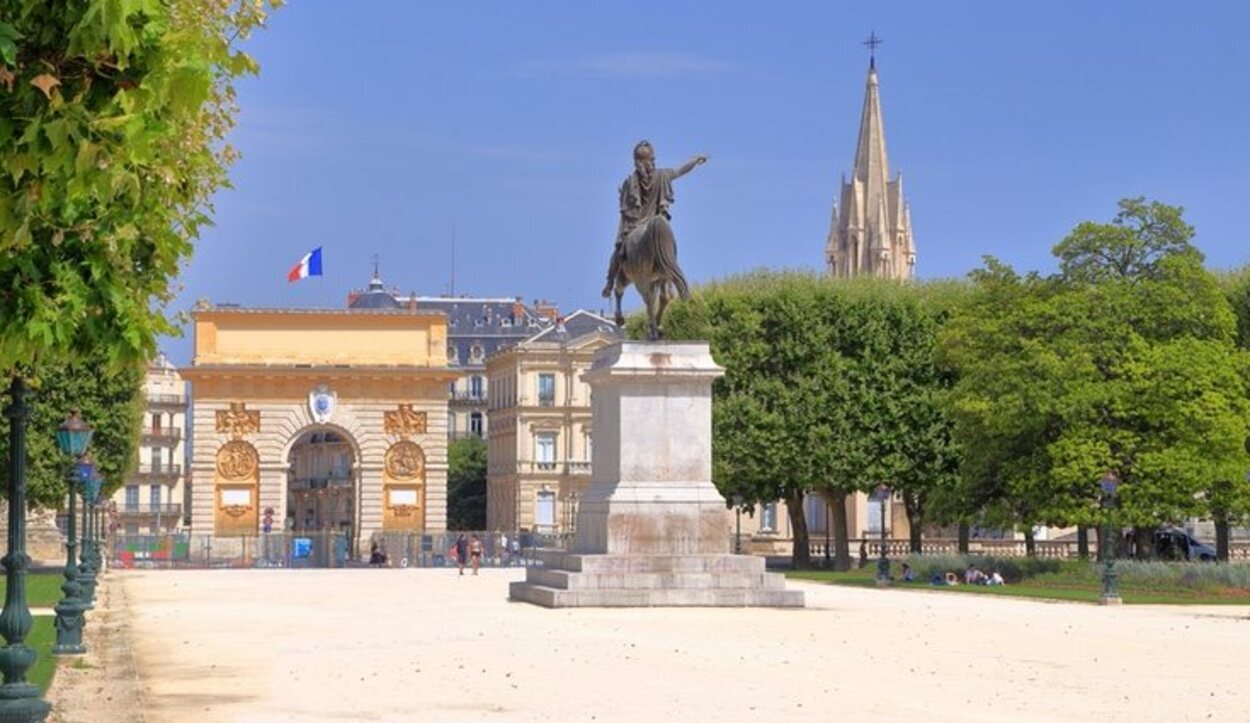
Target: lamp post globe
x,y
882,495
73,437
1108,483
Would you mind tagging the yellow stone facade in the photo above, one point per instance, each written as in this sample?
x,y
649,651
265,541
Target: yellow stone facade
x,y
267,381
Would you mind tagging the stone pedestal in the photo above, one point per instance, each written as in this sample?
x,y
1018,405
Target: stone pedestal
x,y
652,528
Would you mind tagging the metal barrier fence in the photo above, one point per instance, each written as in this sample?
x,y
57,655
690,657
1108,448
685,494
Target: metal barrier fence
x,y
321,549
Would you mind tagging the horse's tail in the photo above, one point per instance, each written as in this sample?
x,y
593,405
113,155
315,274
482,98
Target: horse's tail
x,y
666,258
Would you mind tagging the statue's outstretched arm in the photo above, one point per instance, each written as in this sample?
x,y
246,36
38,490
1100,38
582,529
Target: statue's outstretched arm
x,y
690,165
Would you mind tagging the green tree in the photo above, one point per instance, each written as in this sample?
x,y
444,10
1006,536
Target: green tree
x,y
1125,360
110,401
112,132
466,484
829,387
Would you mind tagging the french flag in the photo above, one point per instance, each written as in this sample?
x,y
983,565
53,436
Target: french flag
x,y
310,265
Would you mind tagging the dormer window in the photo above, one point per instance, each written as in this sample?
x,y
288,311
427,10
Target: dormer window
x,y
452,354
475,353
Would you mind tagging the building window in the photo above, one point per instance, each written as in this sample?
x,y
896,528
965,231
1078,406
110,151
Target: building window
x,y
876,510
154,496
546,390
475,424
475,353
132,497
545,510
768,517
156,421
154,457
590,447
451,425
475,387
452,355
815,511
545,450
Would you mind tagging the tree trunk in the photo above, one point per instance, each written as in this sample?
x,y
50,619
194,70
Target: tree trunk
x,y
1082,542
1221,536
841,535
802,557
1144,543
915,519
964,532
1030,543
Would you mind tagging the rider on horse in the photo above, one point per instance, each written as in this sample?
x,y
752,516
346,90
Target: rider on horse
x,y
645,195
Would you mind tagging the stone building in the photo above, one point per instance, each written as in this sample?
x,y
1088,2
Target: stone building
x,y
476,328
152,499
870,234
541,441
332,419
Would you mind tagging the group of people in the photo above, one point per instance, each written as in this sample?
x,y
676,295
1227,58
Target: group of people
x,y
972,576
467,548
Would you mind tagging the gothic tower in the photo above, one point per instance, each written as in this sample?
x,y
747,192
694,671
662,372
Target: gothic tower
x,y
870,234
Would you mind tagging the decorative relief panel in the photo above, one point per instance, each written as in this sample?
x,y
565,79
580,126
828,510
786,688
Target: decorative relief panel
x,y
238,420
404,421
405,461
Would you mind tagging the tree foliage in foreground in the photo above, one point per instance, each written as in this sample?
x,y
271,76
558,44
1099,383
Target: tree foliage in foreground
x,y
112,123
1125,361
829,387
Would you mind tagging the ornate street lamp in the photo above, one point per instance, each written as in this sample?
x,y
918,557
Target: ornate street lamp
x,y
1110,593
882,495
19,699
737,524
90,566
73,437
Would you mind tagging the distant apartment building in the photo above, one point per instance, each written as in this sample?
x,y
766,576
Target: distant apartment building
x,y
477,327
541,440
151,500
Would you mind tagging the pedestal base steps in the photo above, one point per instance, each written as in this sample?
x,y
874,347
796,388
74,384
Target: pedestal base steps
x,y
567,579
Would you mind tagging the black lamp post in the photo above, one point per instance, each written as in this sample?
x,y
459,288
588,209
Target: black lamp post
x,y
1110,592
883,562
90,567
737,524
19,699
73,437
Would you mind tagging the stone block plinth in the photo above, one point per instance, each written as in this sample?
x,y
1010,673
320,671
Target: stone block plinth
x,y
652,529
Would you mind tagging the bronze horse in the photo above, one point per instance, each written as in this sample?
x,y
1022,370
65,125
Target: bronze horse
x,y
649,262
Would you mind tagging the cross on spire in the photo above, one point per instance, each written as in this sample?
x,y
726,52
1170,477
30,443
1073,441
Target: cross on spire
x,y
872,42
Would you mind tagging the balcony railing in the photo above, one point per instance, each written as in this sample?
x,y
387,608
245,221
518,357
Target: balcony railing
x,y
569,467
162,434
159,470
463,434
165,509
544,401
461,395
179,399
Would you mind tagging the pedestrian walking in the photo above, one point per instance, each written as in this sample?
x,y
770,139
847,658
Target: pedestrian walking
x,y
475,553
462,551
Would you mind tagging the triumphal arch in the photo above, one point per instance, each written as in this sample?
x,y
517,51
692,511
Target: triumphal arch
x,y
327,420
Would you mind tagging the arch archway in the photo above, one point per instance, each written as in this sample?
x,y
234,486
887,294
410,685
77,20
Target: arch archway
x,y
323,482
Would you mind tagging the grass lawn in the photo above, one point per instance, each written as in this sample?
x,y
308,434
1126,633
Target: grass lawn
x,y
41,639
43,589
1039,587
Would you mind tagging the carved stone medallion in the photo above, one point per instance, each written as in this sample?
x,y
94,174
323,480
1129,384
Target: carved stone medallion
x,y
405,461
237,460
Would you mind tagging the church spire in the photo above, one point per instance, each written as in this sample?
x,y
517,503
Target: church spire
x,y
871,232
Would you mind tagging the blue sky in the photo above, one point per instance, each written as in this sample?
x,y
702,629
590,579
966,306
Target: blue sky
x,y
375,128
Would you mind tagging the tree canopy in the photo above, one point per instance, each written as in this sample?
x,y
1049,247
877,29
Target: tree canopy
x,y
112,132
1125,360
466,484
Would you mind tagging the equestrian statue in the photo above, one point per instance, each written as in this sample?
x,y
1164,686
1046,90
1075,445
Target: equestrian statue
x,y
646,251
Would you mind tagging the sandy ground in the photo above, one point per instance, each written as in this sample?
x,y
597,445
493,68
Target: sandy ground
x,y
399,645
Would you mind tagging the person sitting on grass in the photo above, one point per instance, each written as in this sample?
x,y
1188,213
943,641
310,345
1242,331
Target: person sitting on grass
x,y
994,579
952,579
973,576
909,575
